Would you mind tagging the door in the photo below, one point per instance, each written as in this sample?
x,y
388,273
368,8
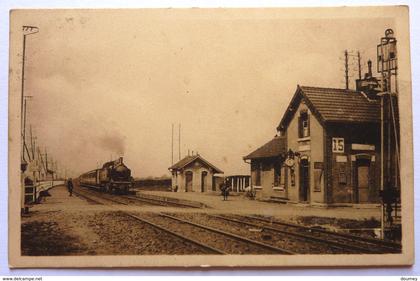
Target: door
x,y
304,180
203,181
363,180
188,181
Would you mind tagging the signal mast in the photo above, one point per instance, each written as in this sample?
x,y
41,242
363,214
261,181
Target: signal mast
x,y
390,136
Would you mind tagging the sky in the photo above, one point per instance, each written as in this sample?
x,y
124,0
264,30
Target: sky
x,y
111,83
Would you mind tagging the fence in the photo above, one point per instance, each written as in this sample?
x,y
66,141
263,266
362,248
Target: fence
x,y
32,191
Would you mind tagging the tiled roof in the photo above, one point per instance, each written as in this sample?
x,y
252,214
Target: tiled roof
x,y
189,159
183,162
343,105
273,148
336,105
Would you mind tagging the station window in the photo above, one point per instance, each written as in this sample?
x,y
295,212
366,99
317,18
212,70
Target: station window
x,y
277,175
258,177
256,171
304,124
317,179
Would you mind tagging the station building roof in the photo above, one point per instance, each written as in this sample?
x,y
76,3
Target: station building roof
x,y
274,148
181,164
330,105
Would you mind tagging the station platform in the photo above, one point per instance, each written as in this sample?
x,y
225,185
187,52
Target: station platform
x,y
238,203
59,200
60,204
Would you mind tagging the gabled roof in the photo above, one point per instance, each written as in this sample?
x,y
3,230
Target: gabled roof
x,y
190,159
334,105
274,148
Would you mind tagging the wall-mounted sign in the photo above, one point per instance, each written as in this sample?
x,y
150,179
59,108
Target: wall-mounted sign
x,y
306,147
338,145
357,146
341,159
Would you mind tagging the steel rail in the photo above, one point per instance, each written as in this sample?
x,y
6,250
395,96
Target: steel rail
x,y
160,202
198,243
87,197
333,244
217,251
231,235
384,244
143,200
101,197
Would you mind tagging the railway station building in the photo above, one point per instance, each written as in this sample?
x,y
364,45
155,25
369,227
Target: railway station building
x,y
194,174
326,152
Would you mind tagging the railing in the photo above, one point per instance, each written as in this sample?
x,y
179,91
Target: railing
x,y
32,191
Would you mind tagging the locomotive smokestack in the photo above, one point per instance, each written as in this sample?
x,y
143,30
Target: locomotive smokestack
x,y
121,160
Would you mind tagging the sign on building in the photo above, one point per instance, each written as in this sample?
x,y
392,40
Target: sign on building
x,y
338,145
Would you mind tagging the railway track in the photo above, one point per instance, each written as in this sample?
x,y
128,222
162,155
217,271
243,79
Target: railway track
x,y
267,236
292,243
225,242
158,202
129,199
102,200
191,240
90,196
210,239
353,243
98,198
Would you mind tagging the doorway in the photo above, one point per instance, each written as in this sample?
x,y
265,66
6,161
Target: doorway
x,y
362,180
304,180
188,181
203,181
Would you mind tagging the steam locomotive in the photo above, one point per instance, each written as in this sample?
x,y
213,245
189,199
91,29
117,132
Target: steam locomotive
x,y
113,177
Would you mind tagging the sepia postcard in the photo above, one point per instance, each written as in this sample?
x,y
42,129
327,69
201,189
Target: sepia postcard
x,y
210,137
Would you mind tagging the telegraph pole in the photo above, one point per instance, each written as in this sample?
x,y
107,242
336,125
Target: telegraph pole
x,y
349,65
359,64
346,68
172,145
32,142
27,30
46,162
179,141
25,98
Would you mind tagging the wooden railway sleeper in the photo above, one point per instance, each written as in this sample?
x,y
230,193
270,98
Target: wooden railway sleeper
x,y
260,244
384,244
198,243
332,244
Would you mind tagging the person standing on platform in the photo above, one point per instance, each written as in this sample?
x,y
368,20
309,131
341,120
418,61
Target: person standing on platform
x,y
70,186
224,188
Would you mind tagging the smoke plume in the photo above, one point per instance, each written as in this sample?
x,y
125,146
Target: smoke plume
x,y
114,143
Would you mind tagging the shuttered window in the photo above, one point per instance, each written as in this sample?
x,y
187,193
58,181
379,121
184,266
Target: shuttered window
x,y
277,174
303,124
317,179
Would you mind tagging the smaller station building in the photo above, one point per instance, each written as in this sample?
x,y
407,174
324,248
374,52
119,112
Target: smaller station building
x,y
267,170
194,174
